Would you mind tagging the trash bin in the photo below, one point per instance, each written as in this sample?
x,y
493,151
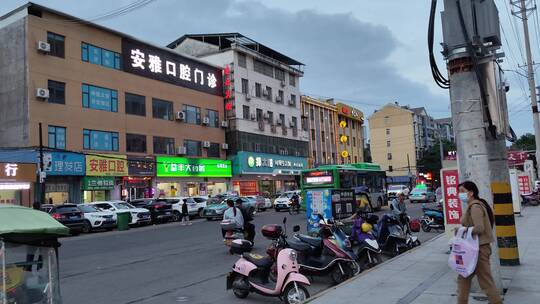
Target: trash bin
x,y
124,219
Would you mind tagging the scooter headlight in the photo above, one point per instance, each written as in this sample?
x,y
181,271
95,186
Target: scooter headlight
x,y
293,255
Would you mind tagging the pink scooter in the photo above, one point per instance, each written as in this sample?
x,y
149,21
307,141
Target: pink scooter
x,y
251,273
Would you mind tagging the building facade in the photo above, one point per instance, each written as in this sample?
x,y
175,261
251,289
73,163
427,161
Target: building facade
x,y
335,131
120,117
262,103
445,128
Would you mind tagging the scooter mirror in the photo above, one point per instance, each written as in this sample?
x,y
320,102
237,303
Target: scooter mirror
x,y
296,228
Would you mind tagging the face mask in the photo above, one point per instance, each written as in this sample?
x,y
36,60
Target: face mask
x,y
463,197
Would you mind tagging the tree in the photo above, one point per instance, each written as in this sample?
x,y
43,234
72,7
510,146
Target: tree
x,y
526,142
431,161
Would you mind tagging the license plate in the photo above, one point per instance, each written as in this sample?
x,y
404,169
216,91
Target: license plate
x,y
167,213
73,218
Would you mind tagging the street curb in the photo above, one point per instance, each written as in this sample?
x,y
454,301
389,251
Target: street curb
x,y
324,292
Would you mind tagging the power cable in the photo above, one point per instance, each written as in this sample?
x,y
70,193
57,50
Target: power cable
x,y
439,78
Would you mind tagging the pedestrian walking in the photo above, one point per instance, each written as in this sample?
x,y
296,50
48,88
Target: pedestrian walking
x,y
479,216
185,214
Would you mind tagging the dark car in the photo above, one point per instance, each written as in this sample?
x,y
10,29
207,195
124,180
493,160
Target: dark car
x,y
68,215
160,210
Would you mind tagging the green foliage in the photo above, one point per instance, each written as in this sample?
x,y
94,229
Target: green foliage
x,y
526,143
431,162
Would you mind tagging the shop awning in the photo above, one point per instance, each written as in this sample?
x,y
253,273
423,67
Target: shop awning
x,y
23,220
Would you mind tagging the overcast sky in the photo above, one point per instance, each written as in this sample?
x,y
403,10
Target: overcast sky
x,y
363,52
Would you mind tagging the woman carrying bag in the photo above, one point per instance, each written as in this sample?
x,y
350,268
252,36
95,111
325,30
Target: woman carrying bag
x,y
478,216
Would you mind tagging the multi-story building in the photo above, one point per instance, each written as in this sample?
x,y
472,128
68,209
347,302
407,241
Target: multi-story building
x,y
266,144
115,112
335,130
445,129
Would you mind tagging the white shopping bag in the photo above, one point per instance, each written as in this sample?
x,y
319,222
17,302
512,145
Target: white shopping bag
x,y
464,255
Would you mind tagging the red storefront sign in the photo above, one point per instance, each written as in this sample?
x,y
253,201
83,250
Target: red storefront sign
x,y
450,182
248,187
524,184
517,157
227,88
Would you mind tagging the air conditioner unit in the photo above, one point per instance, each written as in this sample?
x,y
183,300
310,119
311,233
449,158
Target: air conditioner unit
x,y
181,150
206,144
42,93
253,116
206,120
44,47
248,96
225,146
282,83
224,124
279,122
265,92
279,99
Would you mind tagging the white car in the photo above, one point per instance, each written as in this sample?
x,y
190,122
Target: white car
x,y
393,191
284,200
95,219
139,216
263,203
195,204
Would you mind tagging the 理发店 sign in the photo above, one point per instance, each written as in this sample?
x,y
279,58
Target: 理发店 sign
x,y
151,62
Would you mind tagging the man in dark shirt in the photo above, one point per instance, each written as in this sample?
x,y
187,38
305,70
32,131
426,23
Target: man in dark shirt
x,y
249,228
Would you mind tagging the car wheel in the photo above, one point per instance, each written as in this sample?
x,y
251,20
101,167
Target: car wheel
x,y
87,227
176,216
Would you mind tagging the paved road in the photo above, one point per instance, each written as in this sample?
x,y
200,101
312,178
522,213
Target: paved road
x,y
163,264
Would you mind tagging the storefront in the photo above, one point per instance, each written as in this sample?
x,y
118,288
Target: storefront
x,y
16,183
260,173
103,180
63,180
181,176
138,184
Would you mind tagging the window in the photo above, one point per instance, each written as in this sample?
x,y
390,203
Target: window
x,y
314,154
136,143
304,123
193,147
282,119
354,141
99,98
388,143
100,140
387,131
355,159
280,95
312,114
242,60
292,80
163,145
295,122
162,109
245,86
258,89
135,104
263,68
57,137
193,114
322,136
100,56
324,157
270,117
389,156
268,93
352,124
333,157
259,115
312,134
214,118
387,119
57,92
293,100
322,115
245,112
280,74
213,151
57,44
332,137
331,118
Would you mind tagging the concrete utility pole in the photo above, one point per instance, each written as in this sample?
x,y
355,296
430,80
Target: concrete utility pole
x,y
522,14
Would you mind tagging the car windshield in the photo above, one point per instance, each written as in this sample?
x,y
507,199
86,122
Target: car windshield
x,y
395,187
419,190
88,208
65,209
286,195
216,202
123,206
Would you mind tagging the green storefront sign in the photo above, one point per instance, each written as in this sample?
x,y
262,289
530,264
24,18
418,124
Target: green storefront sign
x,y
202,167
98,183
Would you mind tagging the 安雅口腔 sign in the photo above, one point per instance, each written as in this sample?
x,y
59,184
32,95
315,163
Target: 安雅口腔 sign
x,y
106,165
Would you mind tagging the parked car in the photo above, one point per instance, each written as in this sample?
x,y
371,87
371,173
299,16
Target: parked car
x,y
262,202
422,194
194,208
214,210
95,219
139,216
393,191
68,215
160,210
284,200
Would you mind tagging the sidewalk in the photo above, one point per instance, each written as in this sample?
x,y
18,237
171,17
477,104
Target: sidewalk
x,y
422,276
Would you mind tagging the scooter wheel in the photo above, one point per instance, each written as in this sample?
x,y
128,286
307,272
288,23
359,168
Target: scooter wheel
x,y
240,293
295,294
425,227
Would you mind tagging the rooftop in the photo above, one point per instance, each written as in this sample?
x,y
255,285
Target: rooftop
x,y
225,40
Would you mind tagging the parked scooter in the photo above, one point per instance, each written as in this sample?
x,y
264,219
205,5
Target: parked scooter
x,y
330,254
393,238
232,233
532,198
252,273
364,242
432,219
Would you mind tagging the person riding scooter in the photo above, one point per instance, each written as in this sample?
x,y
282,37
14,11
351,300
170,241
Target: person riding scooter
x,y
249,228
400,210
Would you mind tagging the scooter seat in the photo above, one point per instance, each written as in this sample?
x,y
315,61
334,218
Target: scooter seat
x,y
258,260
314,241
299,246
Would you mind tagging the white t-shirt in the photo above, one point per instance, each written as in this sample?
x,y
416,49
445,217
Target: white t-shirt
x,y
238,219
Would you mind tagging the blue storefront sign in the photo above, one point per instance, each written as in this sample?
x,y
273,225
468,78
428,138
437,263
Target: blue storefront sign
x,y
262,163
64,163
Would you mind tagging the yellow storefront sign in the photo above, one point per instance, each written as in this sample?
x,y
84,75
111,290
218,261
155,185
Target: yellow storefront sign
x,y
106,165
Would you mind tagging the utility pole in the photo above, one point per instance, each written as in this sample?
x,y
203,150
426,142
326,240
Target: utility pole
x,y
41,167
522,14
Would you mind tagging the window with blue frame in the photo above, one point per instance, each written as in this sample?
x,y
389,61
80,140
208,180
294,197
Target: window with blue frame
x,y
96,55
57,137
100,140
99,98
